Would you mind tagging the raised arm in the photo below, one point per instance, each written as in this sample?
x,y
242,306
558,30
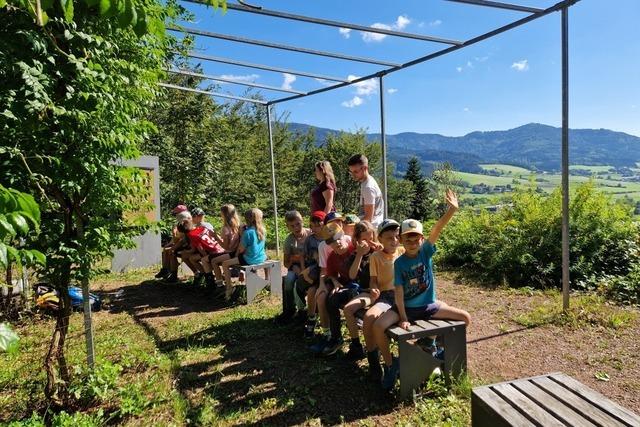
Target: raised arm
x,y
452,202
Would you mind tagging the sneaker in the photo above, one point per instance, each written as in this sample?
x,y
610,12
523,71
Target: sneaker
x,y
318,347
309,328
332,346
160,274
439,354
391,375
172,277
356,351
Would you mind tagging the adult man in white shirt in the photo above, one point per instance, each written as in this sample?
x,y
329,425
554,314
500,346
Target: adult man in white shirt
x,y
371,202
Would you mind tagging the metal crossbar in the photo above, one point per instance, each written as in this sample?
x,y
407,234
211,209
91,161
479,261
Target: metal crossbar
x,y
226,80
204,92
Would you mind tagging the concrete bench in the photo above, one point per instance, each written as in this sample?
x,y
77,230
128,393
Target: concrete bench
x,y
547,400
255,283
416,364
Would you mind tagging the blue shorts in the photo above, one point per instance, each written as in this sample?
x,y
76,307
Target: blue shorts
x,y
419,313
386,300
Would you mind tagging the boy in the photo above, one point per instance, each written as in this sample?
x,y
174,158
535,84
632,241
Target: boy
x,y
192,254
332,268
308,279
203,245
293,261
172,250
415,297
381,295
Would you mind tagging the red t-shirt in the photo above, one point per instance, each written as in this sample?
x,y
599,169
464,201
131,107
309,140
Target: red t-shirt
x,y
338,265
200,239
317,199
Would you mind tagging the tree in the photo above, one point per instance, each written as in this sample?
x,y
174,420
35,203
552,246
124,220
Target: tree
x,y
76,81
420,193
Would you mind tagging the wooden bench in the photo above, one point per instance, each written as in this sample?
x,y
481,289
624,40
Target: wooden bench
x,y
255,283
416,364
547,400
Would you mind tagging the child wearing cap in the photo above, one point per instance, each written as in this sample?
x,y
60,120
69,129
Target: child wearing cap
x,y
171,250
353,280
350,221
415,297
204,247
293,259
309,278
196,259
332,268
381,295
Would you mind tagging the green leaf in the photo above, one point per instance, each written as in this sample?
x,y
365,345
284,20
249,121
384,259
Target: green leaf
x,y
156,27
26,203
104,7
3,3
13,256
68,9
3,255
6,229
39,257
18,222
140,28
128,16
9,340
46,4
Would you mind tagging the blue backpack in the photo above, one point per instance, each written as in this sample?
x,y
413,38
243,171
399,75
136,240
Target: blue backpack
x,y
77,301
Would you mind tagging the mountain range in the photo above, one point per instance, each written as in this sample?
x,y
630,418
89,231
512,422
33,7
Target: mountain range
x,y
534,146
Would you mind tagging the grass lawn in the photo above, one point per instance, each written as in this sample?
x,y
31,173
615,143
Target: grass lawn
x,y
173,355
507,169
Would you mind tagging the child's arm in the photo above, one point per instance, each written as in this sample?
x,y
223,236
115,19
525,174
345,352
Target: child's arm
x,y
404,322
373,287
452,201
361,250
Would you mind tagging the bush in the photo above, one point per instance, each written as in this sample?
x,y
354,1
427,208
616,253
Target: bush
x,y
521,245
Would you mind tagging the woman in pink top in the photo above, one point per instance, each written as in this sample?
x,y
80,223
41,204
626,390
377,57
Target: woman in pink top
x,y
229,240
322,196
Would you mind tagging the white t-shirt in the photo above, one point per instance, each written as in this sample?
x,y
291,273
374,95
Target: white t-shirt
x,y
370,194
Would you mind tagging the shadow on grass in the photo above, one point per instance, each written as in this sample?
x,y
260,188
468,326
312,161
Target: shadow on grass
x,y
262,362
262,367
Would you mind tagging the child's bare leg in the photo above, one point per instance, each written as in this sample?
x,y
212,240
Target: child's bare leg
x,y
194,260
311,301
321,304
215,265
370,318
226,268
452,313
205,263
350,310
380,327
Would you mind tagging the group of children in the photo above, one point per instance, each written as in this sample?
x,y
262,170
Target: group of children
x,y
383,276
209,254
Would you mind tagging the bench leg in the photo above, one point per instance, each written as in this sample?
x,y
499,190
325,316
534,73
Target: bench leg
x,y
275,274
415,367
254,284
455,352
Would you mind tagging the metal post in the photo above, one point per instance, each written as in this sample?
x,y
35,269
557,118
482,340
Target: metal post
x,y
565,158
273,181
383,143
88,324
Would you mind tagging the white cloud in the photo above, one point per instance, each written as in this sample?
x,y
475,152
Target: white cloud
x,y
366,87
288,79
466,109
323,82
354,102
481,58
244,78
459,69
469,64
435,23
392,91
345,32
401,22
521,65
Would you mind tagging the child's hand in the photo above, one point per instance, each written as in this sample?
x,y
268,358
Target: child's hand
x,y
362,248
305,275
405,325
451,199
375,293
376,246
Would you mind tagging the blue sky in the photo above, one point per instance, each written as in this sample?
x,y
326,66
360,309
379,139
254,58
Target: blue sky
x,y
500,83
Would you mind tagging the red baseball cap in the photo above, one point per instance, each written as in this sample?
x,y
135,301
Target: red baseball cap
x,y
178,209
318,215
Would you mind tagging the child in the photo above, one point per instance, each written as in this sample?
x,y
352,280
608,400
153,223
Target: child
x,y
353,279
381,295
415,297
293,261
203,246
251,249
331,268
192,254
309,278
229,240
169,270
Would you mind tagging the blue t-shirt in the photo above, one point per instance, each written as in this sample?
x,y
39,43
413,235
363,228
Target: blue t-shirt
x,y
254,249
415,275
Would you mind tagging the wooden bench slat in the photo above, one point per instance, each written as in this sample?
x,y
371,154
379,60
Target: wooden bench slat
x,y
551,404
484,396
622,414
584,407
531,408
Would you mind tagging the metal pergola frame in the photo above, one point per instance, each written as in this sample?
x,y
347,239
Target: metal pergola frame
x,y
453,45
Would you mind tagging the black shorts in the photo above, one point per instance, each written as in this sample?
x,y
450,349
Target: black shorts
x,y
386,299
241,260
419,313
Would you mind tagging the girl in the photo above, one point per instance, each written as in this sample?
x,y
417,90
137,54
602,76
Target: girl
x,y
251,249
322,196
229,240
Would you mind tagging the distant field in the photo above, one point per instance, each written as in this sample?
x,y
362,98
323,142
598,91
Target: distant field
x,y
517,176
506,169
